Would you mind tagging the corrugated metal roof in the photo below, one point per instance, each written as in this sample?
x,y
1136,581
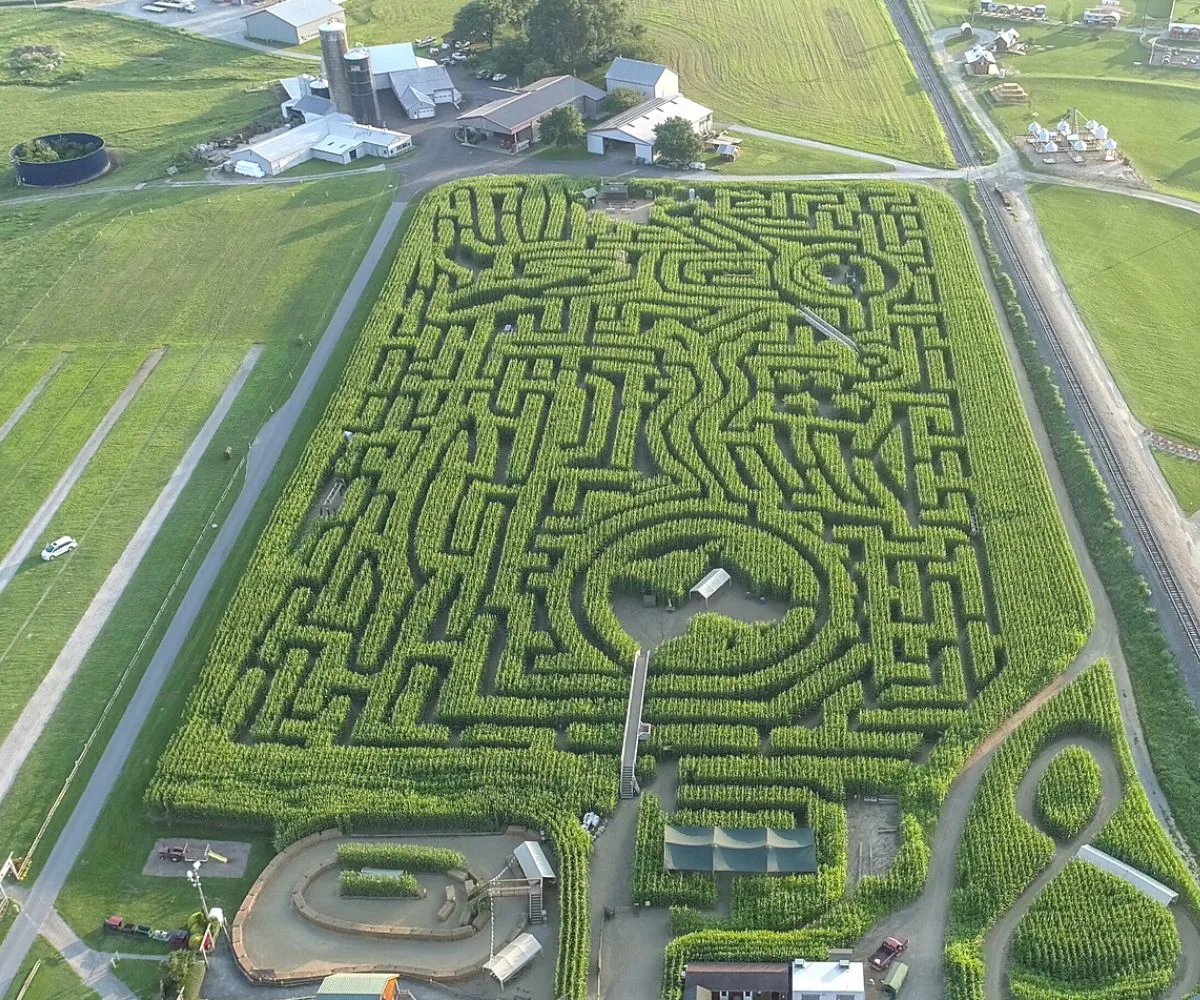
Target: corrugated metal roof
x,y
513,957
532,860
354,985
298,13
638,123
647,74
713,581
1139,880
726,849
532,102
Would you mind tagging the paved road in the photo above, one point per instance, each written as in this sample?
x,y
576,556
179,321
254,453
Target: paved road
x,y
264,455
32,395
19,743
36,528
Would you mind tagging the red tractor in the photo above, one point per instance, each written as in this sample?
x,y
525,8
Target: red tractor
x,y
886,953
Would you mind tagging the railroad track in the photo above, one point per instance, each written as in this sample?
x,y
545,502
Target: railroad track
x,y
1101,441
930,77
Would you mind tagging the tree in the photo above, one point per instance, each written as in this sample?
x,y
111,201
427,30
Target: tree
x,y
573,33
480,19
677,142
563,127
622,99
174,971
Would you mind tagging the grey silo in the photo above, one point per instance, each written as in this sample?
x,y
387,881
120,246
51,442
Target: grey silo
x,y
364,104
333,51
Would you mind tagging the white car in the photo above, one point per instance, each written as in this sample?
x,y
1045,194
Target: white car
x,y
459,57
499,77
58,547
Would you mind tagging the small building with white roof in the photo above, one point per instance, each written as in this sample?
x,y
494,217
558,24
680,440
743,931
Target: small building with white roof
x,y
1007,40
292,22
532,861
842,980
335,138
647,78
635,128
980,61
513,957
421,89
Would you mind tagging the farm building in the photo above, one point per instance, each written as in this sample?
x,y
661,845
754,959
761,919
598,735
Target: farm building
x,y
1006,40
980,62
361,986
336,138
1180,31
1104,17
842,980
1004,8
291,22
635,128
422,89
514,119
717,849
647,78
708,980
307,97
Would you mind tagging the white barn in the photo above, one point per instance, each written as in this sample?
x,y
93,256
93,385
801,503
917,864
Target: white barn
x,y
335,138
647,78
291,22
635,127
422,89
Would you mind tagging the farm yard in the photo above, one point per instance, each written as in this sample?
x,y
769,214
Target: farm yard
x,y
222,288
820,69
1124,262
1151,112
151,92
595,409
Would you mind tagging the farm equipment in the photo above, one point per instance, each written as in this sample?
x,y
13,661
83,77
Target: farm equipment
x,y
190,853
887,952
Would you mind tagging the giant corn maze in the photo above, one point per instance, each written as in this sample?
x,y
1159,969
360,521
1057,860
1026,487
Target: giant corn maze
x,y
551,412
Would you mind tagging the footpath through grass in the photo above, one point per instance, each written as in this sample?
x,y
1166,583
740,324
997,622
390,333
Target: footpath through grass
x,y
151,92
54,979
238,266
1131,268
108,876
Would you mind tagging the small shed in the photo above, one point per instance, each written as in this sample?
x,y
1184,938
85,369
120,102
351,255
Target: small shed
x,y
513,957
647,78
1139,880
533,861
360,986
713,581
1007,40
894,980
980,61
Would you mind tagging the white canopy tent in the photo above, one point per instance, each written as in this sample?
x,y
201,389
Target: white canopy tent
x,y
712,582
513,957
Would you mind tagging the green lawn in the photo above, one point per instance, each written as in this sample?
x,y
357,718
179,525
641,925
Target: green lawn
x,y
108,875
54,979
1183,476
768,156
1131,267
152,92
821,69
1152,113
205,276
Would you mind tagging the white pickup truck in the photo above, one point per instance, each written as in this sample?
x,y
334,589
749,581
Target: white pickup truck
x,y
184,5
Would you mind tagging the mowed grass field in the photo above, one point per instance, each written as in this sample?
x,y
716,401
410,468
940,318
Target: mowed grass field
x,y
833,70
1131,267
205,274
54,979
151,92
1183,476
1152,113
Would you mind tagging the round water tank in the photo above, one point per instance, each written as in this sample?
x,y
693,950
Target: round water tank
x,y
72,167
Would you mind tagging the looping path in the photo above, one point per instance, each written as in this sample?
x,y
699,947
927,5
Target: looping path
x,y
998,940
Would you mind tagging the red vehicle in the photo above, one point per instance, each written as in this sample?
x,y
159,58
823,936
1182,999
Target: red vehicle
x,y
886,953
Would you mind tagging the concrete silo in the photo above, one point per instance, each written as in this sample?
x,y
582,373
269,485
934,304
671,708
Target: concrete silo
x,y
364,104
333,52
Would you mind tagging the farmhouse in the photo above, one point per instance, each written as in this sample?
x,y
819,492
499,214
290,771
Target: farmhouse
x,y
648,79
514,119
979,61
291,22
1006,40
635,128
336,138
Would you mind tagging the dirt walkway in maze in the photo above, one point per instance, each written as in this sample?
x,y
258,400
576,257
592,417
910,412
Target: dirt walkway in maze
x,y
21,739
998,940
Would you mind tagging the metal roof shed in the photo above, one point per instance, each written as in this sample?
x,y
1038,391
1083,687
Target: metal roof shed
x,y
1140,881
513,957
358,986
712,582
533,861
